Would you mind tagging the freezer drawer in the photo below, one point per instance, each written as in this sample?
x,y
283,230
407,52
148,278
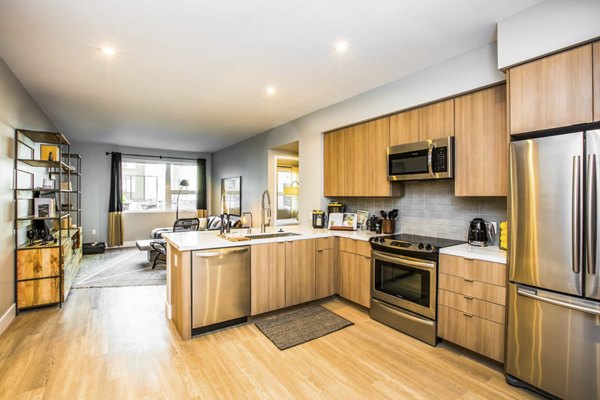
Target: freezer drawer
x,y
220,286
553,342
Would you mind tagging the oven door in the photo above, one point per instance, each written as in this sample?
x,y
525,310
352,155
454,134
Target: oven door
x,y
405,282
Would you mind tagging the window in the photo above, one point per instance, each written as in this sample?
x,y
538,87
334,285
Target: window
x,y
149,185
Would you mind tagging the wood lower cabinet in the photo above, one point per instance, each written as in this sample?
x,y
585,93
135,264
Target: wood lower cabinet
x,y
38,292
596,68
299,271
325,272
471,304
436,120
481,163
355,161
551,92
267,277
355,271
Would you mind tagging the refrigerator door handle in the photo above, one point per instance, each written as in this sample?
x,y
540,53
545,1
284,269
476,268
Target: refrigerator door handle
x,y
532,294
575,214
591,234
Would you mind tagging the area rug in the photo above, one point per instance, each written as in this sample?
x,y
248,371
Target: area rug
x,y
117,268
301,326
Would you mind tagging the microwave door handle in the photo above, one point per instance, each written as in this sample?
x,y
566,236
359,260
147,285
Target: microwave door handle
x,y
430,159
591,234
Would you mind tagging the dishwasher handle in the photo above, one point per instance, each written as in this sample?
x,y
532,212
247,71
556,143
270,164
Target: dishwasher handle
x,y
224,252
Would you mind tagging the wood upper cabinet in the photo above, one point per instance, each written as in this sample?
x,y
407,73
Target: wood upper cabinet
x,y
355,271
596,67
436,120
325,268
299,271
404,127
355,160
481,163
267,277
334,163
551,92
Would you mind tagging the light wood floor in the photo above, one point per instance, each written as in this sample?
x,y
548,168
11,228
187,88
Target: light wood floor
x,y
116,344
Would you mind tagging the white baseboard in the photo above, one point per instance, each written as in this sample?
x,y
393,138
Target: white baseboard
x,y
7,318
168,310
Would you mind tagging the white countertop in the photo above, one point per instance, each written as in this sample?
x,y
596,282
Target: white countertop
x,y
489,253
203,240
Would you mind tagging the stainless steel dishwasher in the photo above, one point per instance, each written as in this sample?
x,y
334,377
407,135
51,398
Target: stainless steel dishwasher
x,y
220,288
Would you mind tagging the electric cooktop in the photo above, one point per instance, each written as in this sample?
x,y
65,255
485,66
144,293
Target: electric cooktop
x,y
405,242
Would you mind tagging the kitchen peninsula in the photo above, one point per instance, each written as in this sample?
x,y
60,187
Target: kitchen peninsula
x,y
284,270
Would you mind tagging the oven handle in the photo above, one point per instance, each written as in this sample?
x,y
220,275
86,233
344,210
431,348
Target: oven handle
x,y
402,260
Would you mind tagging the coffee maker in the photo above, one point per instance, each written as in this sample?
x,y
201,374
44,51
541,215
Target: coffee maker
x,y
481,233
335,207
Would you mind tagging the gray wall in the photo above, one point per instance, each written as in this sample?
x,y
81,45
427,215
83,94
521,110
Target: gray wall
x,y
545,28
431,209
250,158
17,110
95,184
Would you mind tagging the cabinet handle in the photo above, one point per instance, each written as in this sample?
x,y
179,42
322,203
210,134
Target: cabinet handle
x,y
468,315
367,257
320,251
468,258
468,280
468,298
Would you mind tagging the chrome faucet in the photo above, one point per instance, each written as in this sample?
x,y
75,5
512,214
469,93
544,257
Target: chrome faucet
x,y
266,211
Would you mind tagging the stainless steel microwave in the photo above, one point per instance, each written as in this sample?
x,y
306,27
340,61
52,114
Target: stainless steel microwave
x,y
429,159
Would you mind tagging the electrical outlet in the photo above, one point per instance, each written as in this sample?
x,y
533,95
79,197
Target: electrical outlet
x,y
93,231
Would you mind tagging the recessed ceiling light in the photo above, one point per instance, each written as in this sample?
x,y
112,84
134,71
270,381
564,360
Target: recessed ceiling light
x,y
341,46
271,90
109,51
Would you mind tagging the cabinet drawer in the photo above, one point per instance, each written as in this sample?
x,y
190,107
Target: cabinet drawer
x,y
476,289
478,270
325,243
38,263
474,333
471,305
38,292
355,246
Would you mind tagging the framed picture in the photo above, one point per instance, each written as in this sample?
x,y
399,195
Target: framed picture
x,y
362,217
231,196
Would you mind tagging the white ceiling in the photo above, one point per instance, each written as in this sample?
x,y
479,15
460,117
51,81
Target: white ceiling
x,y
191,75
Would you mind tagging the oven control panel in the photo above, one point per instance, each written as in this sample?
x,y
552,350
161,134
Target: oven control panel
x,y
383,243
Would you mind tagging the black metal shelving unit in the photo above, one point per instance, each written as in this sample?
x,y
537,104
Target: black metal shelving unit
x,y
28,170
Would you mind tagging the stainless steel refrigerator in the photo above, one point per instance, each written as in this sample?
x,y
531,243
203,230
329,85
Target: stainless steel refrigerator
x,y
553,328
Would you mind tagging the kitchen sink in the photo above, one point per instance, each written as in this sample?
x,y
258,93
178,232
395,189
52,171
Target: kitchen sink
x,y
271,235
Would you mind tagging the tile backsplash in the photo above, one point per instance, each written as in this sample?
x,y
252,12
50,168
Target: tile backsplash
x,y
431,209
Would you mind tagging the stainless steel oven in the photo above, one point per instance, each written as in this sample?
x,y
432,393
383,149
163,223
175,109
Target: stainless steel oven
x,y
404,283
403,294
429,159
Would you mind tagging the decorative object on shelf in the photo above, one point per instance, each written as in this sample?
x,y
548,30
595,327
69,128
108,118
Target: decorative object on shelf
x,y
66,186
49,152
183,183
48,183
43,207
31,236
